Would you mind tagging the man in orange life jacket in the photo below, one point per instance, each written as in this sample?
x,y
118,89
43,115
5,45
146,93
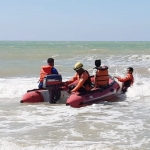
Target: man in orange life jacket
x,y
101,77
83,77
47,70
127,80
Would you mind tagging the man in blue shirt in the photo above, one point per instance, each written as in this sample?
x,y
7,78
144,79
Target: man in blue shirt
x,y
47,70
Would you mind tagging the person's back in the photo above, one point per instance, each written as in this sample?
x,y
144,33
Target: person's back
x,y
101,77
47,70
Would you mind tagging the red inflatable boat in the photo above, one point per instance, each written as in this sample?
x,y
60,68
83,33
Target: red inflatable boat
x,y
94,96
54,92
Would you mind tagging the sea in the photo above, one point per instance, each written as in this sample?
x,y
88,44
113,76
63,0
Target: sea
x,y
120,125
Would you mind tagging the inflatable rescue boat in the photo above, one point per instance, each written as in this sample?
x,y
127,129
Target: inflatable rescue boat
x,y
94,96
54,92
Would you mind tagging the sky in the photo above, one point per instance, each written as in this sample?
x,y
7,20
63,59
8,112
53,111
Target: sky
x,y
74,20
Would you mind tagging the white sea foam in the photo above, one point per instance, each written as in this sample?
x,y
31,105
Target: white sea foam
x,y
12,88
122,125
16,87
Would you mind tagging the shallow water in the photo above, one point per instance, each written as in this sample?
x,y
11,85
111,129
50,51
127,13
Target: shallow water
x,y
108,126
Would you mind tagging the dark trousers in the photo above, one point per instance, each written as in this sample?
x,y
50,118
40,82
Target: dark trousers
x,y
80,90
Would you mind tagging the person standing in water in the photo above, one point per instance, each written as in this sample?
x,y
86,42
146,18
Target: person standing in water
x,y
127,81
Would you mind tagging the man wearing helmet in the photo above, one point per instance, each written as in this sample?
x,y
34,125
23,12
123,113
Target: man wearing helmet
x,y
83,77
127,80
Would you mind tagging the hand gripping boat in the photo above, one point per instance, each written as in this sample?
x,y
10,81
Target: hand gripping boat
x,y
94,96
52,91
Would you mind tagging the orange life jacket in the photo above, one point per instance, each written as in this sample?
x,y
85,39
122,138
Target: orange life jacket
x,y
127,81
83,80
126,78
102,77
45,70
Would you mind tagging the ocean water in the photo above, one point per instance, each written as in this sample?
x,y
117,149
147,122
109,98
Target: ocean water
x,y
122,125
